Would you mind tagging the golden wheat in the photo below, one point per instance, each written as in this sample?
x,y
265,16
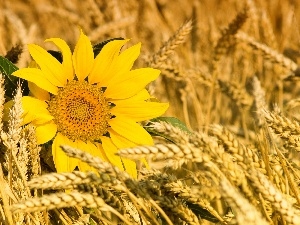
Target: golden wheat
x,y
229,70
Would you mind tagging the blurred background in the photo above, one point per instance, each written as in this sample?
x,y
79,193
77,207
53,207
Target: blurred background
x,y
187,74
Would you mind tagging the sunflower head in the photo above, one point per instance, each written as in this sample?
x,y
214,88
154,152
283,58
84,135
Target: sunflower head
x,y
94,104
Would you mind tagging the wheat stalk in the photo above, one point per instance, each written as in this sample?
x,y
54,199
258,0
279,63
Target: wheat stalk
x,y
169,46
246,213
270,54
67,180
276,198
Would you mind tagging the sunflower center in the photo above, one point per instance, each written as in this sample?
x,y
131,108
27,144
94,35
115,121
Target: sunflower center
x,y
80,111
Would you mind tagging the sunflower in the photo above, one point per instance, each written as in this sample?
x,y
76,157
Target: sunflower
x,y
93,104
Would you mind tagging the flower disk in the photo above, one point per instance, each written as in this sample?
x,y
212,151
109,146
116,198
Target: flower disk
x,y
80,111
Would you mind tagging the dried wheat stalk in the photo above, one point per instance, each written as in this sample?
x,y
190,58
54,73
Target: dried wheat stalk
x,y
245,156
162,152
67,180
259,100
175,134
184,192
95,162
286,129
60,200
112,199
245,212
223,45
238,95
168,47
277,199
269,53
34,150
225,41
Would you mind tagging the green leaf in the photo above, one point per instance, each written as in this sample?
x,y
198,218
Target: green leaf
x,y
11,82
171,120
6,66
199,212
202,213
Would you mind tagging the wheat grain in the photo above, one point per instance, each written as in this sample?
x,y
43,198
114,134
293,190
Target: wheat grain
x,y
259,100
34,150
59,200
95,162
178,208
5,201
268,32
238,95
16,153
162,152
246,213
286,129
245,156
225,41
276,198
254,14
270,54
109,197
184,192
168,47
176,134
293,103
66,180
14,132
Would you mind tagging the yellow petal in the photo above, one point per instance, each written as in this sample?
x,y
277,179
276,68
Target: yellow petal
x,y
139,111
63,163
119,141
35,109
130,167
42,118
38,92
101,152
104,61
28,103
83,147
67,57
38,77
124,63
124,164
48,64
45,132
122,142
131,130
140,96
93,150
96,150
135,82
83,57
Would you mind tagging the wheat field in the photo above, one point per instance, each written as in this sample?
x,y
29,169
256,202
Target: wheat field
x,y
229,70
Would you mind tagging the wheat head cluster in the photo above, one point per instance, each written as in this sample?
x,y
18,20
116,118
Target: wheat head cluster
x,y
229,70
